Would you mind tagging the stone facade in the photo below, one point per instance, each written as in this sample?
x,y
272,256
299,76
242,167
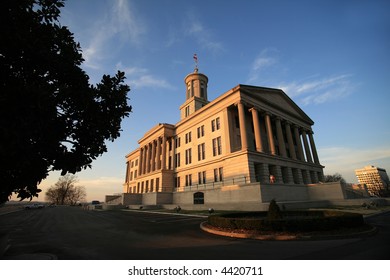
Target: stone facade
x,y
247,137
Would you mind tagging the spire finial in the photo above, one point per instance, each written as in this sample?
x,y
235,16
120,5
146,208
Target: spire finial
x,y
196,63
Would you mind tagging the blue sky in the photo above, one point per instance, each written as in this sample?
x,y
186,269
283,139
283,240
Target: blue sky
x,y
331,57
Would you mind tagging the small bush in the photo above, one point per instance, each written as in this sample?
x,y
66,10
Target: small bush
x,y
274,211
288,221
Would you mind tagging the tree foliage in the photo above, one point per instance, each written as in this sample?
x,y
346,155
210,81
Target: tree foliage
x,y
51,118
65,192
337,177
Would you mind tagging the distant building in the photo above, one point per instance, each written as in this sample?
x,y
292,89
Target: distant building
x,y
375,178
249,145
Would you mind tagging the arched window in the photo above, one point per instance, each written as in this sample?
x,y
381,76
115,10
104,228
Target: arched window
x,y
198,198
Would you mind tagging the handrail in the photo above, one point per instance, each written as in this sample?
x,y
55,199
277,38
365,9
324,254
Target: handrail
x,y
241,180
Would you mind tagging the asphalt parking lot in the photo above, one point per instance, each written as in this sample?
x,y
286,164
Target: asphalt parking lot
x,y
72,233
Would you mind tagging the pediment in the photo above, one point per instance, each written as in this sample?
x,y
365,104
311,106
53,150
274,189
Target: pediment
x,y
275,99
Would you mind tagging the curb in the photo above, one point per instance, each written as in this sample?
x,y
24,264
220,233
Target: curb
x,y
286,237
166,213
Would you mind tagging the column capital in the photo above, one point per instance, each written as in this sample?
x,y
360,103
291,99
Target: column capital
x,y
266,113
278,118
242,102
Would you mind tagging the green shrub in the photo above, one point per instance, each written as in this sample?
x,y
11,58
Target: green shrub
x,y
274,211
288,221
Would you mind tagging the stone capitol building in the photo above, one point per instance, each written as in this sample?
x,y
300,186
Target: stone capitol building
x,y
248,146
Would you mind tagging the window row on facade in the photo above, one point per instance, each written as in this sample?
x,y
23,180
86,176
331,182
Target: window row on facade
x,y
199,178
151,158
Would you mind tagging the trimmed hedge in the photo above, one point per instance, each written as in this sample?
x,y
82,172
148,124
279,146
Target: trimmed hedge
x,y
290,221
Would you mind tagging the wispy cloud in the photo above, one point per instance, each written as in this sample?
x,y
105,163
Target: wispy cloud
x,y
264,60
202,35
141,78
119,21
310,90
319,90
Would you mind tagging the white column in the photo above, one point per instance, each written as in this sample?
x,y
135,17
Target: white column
x,y
307,148
279,133
290,141
270,135
164,153
241,116
154,143
256,126
144,160
141,150
299,143
158,157
313,148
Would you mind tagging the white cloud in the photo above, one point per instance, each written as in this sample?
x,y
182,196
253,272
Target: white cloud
x,y
265,59
118,21
320,90
140,78
203,36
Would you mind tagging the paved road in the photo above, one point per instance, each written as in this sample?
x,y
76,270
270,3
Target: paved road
x,y
73,233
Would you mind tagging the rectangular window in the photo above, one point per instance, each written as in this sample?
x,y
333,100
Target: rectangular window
x,y
178,182
188,180
177,142
220,170
217,146
201,152
188,90
200,131
218,174
177,159
188,137
215,124
188,156
187,111
202,177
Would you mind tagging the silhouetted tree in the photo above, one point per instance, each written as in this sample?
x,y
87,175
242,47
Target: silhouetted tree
x,y
51,118
334,178
65,191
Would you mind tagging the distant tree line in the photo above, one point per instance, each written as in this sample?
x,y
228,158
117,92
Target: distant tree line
x,y
337,177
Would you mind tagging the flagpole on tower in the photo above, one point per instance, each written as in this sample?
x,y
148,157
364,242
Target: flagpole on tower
x,y
196,63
